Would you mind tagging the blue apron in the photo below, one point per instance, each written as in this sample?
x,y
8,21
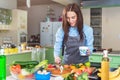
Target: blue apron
x,y
71,51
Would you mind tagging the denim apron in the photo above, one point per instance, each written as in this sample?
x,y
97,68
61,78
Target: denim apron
x,y
71,51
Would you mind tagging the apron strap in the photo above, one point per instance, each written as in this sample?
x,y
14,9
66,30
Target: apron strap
x,y
63,47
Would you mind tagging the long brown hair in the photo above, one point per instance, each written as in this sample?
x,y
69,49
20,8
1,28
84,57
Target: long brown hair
x,y
75,8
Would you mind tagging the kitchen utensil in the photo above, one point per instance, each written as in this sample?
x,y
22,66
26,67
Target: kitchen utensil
x,y
61,68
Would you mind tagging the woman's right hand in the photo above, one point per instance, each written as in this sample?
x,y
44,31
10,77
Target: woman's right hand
x,y
57,59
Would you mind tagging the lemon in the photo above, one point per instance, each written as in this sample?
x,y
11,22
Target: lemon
x,y
87,64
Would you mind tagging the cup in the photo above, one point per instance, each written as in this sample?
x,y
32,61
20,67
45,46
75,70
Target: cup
x,y
83,50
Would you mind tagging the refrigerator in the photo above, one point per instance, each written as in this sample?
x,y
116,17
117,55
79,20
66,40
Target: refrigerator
x,y
47,33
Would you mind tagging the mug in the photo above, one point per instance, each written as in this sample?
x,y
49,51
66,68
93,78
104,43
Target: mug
x,y
83,50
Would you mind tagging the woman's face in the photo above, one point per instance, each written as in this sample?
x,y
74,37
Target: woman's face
x,y
72,18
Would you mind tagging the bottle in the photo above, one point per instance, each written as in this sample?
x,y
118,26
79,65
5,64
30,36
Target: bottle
x,y
2,67
105,66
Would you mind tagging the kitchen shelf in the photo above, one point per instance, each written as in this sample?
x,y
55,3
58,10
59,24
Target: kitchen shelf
x,y
96,22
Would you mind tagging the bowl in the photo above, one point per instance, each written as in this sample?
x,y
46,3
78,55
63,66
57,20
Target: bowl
x,y
21,74
45,76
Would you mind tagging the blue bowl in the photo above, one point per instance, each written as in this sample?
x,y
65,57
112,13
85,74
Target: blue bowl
x,y
42,76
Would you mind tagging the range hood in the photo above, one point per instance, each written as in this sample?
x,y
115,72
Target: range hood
x,y
90,3
65,2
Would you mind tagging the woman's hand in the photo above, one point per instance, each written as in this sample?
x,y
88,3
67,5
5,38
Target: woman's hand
x,y
88,52
57,59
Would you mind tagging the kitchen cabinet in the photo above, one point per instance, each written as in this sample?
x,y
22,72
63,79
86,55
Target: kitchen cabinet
x,y
47,33
86,15
114,58
105,23
20,25
93,18
111,28
96,24
17,29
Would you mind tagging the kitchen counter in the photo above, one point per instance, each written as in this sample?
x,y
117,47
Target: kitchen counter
x,y
52,78
114,58
23,56
26,56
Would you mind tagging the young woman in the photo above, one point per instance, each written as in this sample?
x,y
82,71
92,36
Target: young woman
x,y
72,35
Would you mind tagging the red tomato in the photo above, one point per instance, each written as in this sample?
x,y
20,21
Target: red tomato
x,y
18,68
50,66
15,68
88,70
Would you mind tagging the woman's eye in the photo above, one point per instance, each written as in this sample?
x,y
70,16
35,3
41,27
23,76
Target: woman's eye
x,y
73,17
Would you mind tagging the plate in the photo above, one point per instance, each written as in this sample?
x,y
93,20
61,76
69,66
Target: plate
x,y
55,75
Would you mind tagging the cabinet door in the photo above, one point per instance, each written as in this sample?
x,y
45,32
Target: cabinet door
x,y
46,33
111,28
86,16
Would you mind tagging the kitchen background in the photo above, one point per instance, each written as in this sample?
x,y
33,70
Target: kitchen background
x,y
108,20
27,22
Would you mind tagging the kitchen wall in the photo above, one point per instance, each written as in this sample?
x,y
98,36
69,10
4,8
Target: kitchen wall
x,y
8,4
37,14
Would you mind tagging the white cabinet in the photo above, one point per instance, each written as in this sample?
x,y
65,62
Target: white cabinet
x,y
86,15
106,26
47,33
111,28
18,27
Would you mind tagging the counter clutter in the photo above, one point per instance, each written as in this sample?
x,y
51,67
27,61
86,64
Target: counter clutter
x,y
52,78
31,70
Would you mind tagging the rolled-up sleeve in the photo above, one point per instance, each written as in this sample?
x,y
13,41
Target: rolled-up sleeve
x,y
58,41
89,37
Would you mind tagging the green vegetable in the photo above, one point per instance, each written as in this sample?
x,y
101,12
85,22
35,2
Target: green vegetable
x,y
83,76
43,63
69,77
26,64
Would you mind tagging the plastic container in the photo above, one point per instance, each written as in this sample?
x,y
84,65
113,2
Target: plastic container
x,y
38,54
42,76
2,67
